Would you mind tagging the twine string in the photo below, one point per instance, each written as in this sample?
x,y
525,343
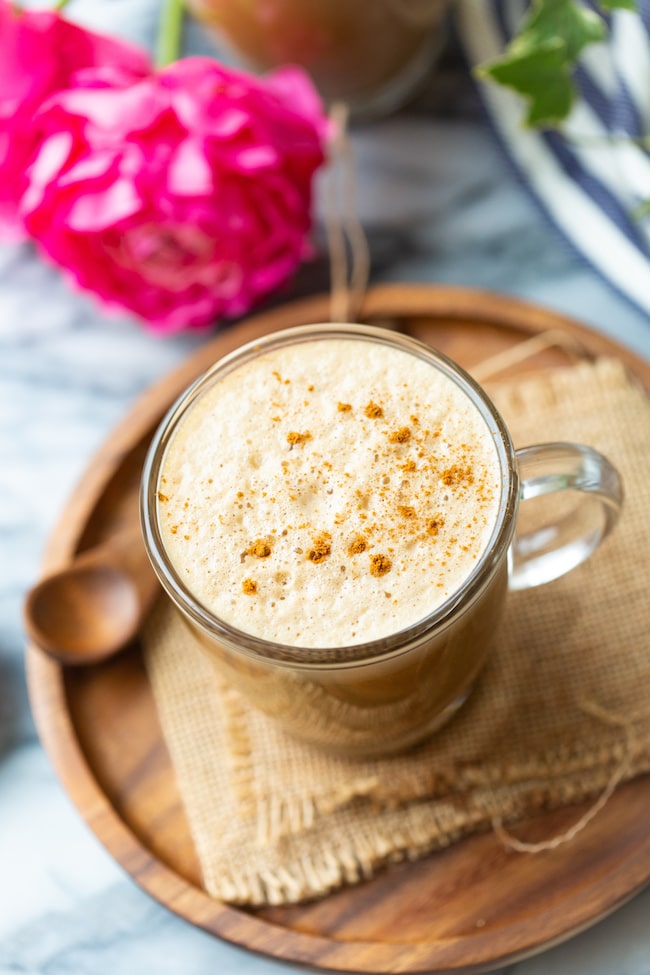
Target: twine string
x,y
515,355
349,254
618,774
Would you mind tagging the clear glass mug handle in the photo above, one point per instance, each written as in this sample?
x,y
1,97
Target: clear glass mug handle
x,y
589,497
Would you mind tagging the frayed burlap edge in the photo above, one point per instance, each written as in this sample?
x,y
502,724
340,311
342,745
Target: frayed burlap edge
x,y
392,838
279,816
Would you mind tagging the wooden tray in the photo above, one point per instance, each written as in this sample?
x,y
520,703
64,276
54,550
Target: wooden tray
x,y
471,907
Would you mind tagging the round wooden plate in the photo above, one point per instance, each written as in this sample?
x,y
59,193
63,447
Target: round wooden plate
x,y
473,906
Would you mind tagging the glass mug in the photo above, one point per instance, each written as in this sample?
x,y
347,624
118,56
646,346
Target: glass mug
x,y
385,695
371,53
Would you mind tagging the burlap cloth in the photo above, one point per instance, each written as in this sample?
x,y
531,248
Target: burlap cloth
x,y
561,713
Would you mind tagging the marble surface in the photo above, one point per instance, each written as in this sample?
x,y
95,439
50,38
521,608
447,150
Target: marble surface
x,y
440,204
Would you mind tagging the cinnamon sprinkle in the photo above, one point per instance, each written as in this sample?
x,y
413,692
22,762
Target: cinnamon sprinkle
x,y
455,475
380,565
434,525
373,411
321,549
357,545
260,549
249,587
406,511
403,435
293,437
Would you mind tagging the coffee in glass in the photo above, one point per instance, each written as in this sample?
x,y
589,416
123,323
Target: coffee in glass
x,y
332,510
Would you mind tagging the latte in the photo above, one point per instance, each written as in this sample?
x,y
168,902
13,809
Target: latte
x,y
329,492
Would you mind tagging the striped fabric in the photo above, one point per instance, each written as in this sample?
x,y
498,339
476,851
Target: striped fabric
x,y
591,180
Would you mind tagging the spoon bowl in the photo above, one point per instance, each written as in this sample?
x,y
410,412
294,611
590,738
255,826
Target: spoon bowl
x,y
94,607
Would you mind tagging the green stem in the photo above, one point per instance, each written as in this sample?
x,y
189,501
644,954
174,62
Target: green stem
x,y
60,4
170,29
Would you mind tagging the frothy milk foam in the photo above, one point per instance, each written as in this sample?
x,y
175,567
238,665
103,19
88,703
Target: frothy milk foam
x,y
328,493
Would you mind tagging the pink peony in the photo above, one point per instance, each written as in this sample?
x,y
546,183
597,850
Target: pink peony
x,y
184,197
40,53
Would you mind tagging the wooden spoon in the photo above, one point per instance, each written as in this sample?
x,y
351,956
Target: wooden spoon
x,y
95,606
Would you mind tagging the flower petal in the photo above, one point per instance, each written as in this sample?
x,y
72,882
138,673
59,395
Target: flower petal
x,y
89,168
52,157
189,173
295,89
253,159
116,110
93,212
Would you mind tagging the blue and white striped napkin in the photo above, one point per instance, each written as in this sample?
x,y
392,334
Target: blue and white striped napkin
x,y
590,180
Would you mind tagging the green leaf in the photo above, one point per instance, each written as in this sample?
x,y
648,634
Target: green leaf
x,y
642,210
539,61
564,20
542,77
618,5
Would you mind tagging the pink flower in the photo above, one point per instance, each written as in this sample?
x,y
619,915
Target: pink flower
x,y
184,197
40,53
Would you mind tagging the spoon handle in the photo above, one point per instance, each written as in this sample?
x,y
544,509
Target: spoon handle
x,y
126,551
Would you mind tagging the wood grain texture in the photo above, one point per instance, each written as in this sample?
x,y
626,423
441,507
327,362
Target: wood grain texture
x,y
473,906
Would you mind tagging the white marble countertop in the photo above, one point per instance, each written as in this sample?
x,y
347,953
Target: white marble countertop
x,y
440,204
